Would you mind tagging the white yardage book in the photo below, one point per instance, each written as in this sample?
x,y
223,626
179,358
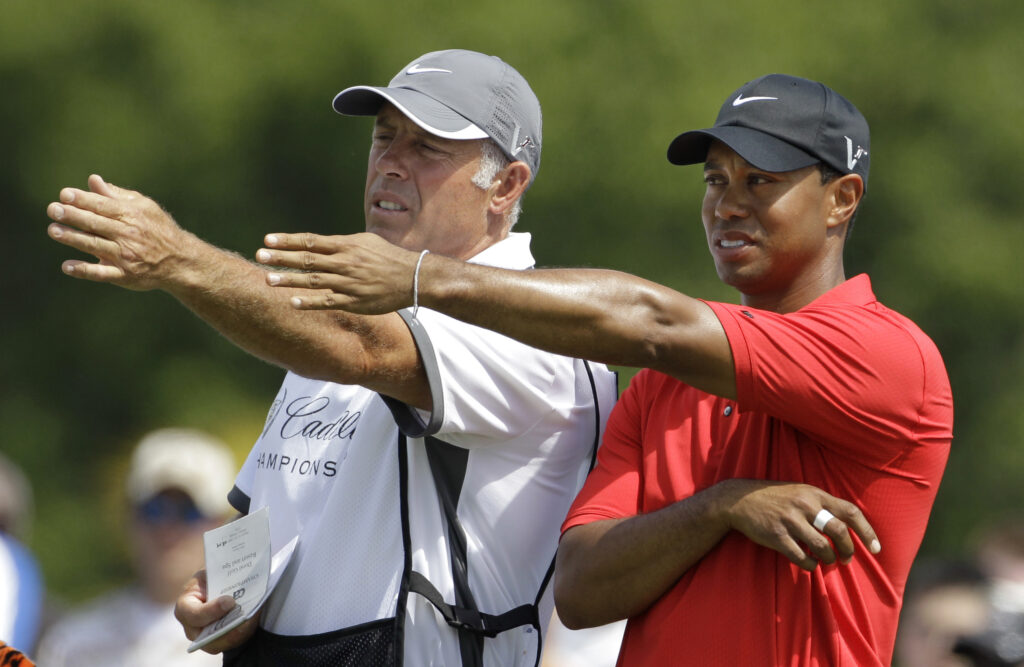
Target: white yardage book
x,y
239,564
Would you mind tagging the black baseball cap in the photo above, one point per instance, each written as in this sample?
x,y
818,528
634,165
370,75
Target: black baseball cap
x,y
781,123
459,94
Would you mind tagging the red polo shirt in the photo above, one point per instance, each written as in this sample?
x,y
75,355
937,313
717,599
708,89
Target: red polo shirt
x,y
845,395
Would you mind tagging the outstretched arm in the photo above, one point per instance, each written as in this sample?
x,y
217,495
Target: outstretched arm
x,y
139,246
616,568
603,315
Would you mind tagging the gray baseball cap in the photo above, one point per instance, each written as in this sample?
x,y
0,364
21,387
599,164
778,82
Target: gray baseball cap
x,y
458,94
781,123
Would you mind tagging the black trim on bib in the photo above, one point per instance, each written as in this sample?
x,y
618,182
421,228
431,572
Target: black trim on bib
x,y
407,417
403,591
375,643
238,499
448,467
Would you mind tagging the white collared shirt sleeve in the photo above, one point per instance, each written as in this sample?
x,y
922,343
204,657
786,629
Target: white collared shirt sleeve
x,y
485,385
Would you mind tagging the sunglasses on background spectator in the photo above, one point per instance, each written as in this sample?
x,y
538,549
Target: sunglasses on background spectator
x,y
169,508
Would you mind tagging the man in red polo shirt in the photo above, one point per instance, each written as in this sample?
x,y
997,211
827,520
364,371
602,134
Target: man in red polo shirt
x,y
718,518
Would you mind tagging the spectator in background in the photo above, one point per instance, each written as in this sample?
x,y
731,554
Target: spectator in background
x,y
176,491
944,601
1000,554
21,584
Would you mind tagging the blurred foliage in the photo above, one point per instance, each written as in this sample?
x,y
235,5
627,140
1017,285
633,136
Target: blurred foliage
x,y
221,111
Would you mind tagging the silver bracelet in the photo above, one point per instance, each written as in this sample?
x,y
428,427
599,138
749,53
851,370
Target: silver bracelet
x,y
416,284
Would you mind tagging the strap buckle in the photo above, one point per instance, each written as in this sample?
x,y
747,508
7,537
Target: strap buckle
x,y
472,621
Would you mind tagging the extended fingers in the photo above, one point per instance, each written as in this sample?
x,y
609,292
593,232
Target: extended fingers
x,y
99,186
315,281
306,260
324,298
99,272
304,241
107,206
104,271
326,301
99,209
75,211
76,229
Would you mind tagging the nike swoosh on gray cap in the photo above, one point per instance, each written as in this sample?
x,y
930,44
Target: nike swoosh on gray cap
x,y
459,94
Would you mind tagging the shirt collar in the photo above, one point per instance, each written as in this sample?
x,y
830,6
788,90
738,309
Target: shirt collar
x,y
512,252
856,291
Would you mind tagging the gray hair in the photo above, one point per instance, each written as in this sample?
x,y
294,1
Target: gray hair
x,y
493,160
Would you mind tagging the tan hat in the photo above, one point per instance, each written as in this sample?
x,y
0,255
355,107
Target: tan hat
x,y
190,460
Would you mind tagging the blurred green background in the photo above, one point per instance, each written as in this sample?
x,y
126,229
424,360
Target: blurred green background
x,y
220,110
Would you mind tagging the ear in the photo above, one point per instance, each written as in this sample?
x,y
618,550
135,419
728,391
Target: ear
x,y
845,194
508,186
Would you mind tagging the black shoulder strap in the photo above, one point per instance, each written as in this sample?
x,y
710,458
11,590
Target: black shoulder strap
x,y
447,465
403,591
597,414
471,620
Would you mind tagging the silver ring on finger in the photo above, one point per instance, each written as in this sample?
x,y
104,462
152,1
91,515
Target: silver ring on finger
x,y
822,518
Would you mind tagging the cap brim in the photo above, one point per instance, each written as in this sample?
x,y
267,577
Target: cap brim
x,y
209,499
425,111
759,149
